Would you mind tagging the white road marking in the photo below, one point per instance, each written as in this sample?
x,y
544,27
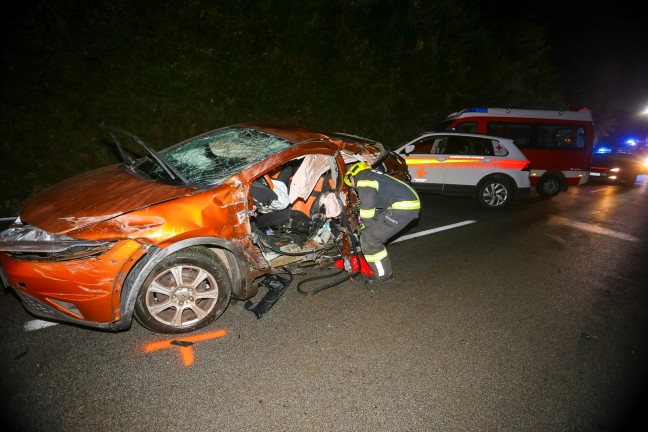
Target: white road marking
x,y
598,190
557,220
38,324
433,230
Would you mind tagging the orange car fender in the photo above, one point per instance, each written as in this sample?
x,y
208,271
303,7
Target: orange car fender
x,y
242,287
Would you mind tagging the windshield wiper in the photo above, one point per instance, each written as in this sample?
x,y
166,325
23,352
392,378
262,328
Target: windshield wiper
x,y
168,168
126,157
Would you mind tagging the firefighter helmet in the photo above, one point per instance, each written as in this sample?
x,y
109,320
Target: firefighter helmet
x,y
355,169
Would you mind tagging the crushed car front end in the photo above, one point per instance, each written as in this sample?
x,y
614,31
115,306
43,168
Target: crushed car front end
x,y
64,278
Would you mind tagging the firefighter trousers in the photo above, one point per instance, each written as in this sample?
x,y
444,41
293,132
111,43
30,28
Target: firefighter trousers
x,y
372,239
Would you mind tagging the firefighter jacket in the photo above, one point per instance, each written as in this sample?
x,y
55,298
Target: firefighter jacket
x,y
379,191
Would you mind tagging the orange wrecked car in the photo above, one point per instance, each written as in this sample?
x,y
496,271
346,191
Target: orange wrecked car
x,y
170,237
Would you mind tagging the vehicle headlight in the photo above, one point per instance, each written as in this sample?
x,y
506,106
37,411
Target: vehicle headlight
x,y
645,162
615,169
28,239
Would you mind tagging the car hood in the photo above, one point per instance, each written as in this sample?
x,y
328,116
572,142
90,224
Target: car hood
x,y
94,197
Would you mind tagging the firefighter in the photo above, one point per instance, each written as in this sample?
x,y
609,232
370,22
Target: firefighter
x,y
387,205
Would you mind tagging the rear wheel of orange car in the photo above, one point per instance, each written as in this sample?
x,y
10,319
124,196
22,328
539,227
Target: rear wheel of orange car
x,y
186,291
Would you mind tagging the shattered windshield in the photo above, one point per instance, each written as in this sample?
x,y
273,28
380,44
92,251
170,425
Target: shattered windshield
x,y
211,158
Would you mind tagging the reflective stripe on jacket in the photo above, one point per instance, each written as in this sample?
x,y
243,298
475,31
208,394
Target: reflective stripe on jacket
x,y
379,190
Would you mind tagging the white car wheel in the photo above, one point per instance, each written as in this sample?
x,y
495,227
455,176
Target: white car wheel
x,y
494,193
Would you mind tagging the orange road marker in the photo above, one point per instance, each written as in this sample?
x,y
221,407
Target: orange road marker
x,y
184,344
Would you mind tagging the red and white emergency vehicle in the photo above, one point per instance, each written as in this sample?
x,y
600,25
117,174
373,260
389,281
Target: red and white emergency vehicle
x,y
557,143
491,169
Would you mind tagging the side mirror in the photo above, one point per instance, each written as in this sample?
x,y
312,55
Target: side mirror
x,y
409,148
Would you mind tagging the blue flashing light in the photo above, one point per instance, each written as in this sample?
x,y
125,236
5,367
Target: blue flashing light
x,y
476,110
631,141
603,150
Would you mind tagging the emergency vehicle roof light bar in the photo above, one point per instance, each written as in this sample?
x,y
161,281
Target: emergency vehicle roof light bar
x,y
569,115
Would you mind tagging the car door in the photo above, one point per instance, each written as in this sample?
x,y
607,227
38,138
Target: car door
x,y
470,159
426,162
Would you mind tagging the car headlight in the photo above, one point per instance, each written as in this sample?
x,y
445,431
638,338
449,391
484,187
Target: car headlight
x,y
615,169
28,239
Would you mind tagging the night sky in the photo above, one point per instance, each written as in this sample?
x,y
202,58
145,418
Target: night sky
x,y
600,49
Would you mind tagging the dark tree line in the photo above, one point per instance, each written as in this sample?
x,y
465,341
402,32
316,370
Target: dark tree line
x,y
384,69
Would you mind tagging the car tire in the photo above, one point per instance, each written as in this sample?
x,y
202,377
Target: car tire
x,y
494,193
186,291
549,186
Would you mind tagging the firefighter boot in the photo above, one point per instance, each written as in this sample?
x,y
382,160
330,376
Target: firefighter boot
x,y
379,280
381,271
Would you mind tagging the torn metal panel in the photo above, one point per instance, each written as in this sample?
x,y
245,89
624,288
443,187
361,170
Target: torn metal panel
x,y
206,214
252,253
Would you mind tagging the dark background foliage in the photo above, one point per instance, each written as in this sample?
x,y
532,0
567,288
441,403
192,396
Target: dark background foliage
x,y
166,71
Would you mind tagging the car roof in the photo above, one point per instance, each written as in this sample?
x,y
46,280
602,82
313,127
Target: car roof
x,y
513,150
296,134
464,134
293,134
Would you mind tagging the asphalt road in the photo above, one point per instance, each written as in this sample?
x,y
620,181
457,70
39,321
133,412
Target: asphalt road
x,y
533,318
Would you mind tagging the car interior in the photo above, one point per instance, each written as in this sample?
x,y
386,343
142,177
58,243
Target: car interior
x,y
297,209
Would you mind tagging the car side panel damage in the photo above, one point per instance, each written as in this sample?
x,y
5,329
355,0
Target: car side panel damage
x,y
169,237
